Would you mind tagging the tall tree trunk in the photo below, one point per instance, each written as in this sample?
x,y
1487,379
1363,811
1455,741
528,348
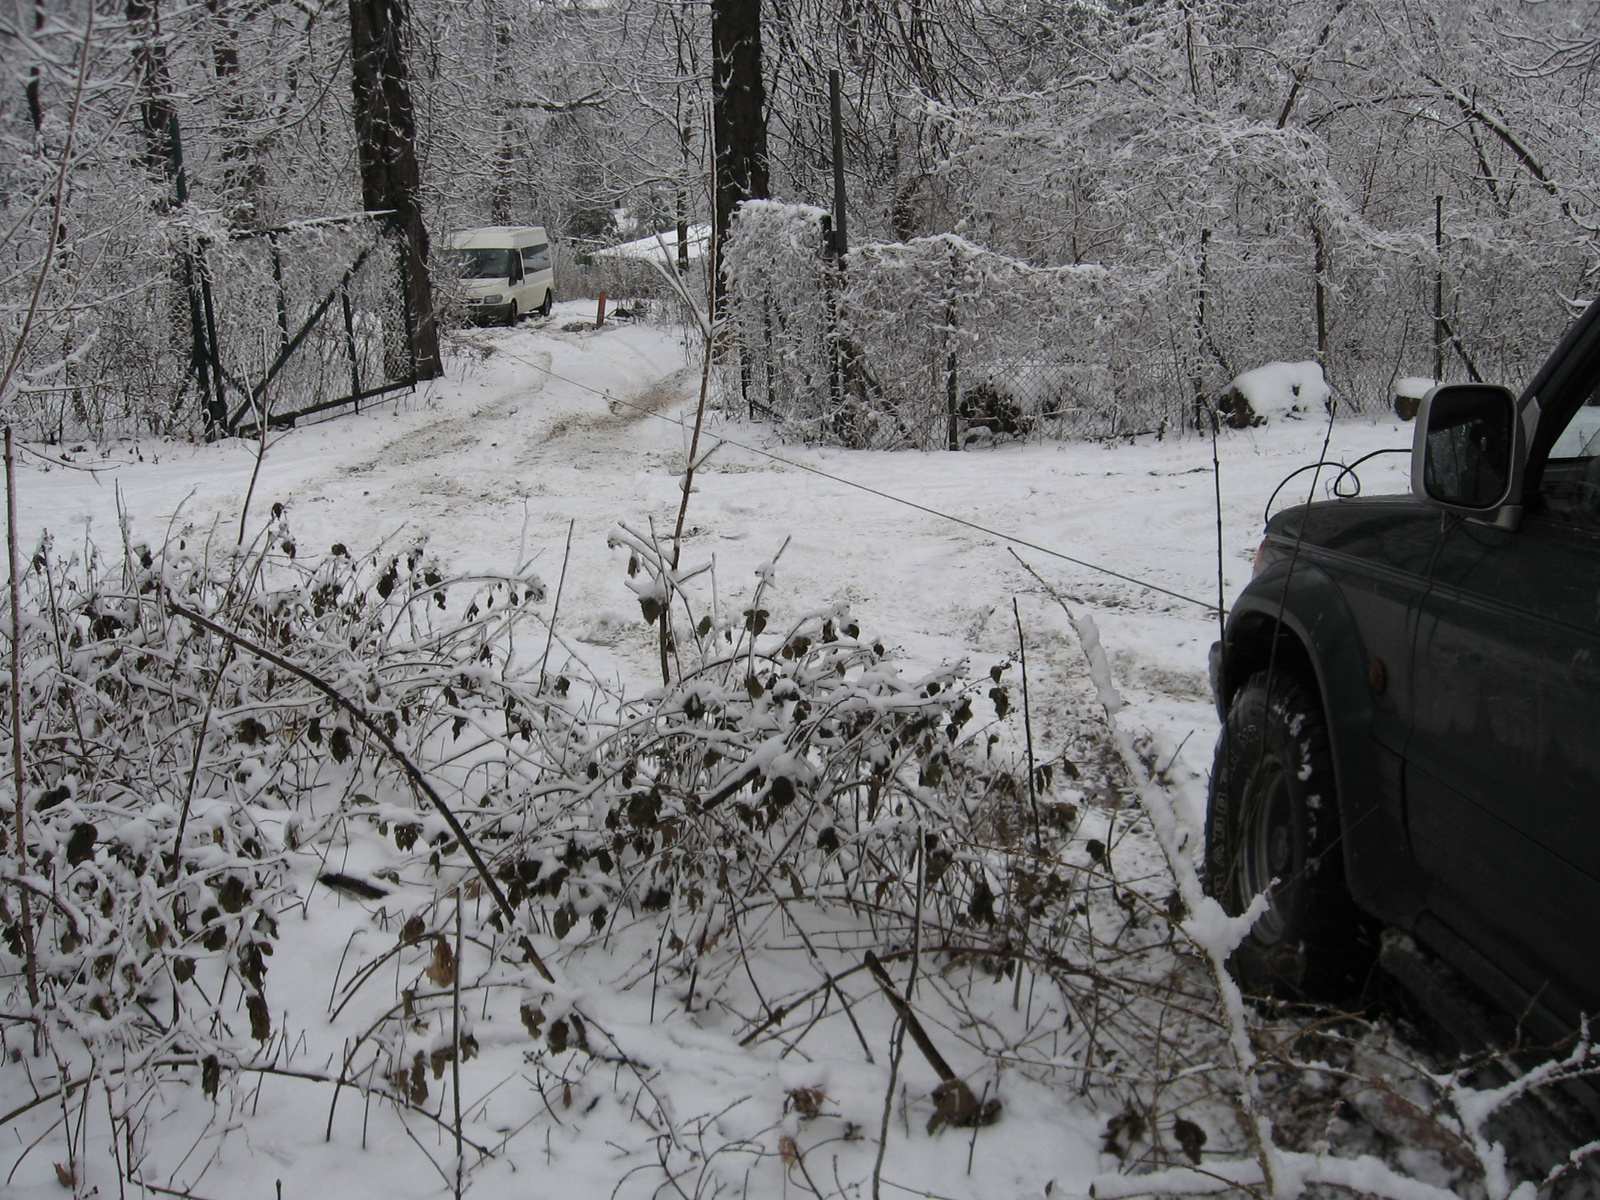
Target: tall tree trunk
x,y
386,146
154,87
244,172
505,159
738,114
683,110
35,104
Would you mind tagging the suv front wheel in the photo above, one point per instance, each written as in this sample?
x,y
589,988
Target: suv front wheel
x,y
1273,826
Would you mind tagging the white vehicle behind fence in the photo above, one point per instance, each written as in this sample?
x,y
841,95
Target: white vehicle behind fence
x,y
505,271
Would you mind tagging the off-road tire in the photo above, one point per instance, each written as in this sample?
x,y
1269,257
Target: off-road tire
x,y
549,303
1274,814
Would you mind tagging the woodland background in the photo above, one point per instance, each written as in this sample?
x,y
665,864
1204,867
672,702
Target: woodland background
x,y
1387,188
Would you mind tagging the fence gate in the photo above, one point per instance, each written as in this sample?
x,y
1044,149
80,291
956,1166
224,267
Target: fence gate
x,y
297,319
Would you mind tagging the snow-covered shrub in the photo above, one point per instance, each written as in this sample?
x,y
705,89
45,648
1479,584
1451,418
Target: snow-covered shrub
x,y
214,733
150,756
788,780
879,352
167,771
800,780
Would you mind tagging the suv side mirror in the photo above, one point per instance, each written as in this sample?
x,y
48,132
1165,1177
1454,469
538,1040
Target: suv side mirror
x,y
1468,452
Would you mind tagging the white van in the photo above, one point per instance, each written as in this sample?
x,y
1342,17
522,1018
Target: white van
x,y
505,270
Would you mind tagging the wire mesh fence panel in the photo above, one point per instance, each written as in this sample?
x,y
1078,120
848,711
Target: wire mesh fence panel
x,y
779,293
184,329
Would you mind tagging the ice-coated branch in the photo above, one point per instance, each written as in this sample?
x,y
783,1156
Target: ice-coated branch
x,y
1212,931
413,772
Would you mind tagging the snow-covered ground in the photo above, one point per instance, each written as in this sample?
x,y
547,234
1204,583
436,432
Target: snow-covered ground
x,y
544,430
492,464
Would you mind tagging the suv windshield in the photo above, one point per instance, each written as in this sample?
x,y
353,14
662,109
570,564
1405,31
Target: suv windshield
x,y
483,264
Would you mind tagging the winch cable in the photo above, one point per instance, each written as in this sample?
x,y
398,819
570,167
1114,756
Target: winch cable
x,y
923,508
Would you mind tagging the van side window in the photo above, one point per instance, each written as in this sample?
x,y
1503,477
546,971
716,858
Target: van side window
x,y
536,258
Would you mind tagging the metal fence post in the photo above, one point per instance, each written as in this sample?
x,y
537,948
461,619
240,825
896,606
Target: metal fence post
x,y
1198,382
283,301
950,399
952,392
835,380
350,342
744,380
766,332
219,391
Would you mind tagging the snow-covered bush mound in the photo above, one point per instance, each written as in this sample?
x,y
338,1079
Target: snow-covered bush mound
x,y
1277,391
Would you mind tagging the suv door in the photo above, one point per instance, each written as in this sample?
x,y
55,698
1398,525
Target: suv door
x,y
1503,767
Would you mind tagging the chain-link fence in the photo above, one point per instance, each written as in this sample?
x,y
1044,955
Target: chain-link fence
x,y
938,342
933,342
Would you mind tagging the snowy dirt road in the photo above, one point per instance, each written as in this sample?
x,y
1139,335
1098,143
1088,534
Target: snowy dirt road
x,y
540,430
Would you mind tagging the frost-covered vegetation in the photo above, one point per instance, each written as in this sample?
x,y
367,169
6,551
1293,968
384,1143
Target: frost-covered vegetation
x,y
334,821
918,343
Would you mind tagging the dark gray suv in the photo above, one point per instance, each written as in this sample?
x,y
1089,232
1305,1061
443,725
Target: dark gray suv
x,y
1410,692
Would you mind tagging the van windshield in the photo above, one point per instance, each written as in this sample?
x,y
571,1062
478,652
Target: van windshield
x,y
484,263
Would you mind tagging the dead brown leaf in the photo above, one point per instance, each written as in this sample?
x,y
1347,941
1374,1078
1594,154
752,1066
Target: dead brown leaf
x,y
442,970
807,1101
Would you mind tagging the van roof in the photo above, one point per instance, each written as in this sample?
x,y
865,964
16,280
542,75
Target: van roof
x,y
494,236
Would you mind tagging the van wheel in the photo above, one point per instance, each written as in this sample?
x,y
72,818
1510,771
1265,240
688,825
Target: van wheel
x,y
1274,815
511,314
549,303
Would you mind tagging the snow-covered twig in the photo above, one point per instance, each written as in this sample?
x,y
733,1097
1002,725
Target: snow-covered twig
x,y
1212,931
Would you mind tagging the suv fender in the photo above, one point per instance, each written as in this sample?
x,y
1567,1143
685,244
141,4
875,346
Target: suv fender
x,y
1304,612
